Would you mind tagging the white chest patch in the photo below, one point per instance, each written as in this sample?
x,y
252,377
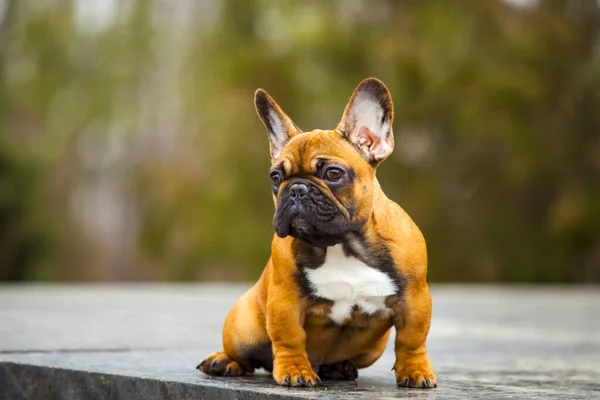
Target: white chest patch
x,y
348,281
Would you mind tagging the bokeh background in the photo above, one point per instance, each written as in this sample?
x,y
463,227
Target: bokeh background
x,y
130,148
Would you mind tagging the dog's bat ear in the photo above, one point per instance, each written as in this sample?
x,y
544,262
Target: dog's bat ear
x,y
280,127
367,120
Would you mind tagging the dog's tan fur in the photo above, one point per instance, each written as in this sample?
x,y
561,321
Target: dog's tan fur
x,y
275,315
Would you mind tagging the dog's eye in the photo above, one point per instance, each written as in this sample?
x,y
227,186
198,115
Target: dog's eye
x,y
275,177
334,174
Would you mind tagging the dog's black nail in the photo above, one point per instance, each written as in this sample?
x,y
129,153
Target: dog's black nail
x,y
393,368
201,364
405,383
287,380
227,371
426,383
212,364
300,381
319,381
309,383
435,385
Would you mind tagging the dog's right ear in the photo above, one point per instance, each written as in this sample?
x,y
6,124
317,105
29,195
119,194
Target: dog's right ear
x,y
280,127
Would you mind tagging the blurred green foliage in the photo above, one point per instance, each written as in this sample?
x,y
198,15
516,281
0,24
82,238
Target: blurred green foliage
x,y
130,149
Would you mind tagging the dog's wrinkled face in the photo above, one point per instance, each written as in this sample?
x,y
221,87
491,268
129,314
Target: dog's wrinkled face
x,y
320,183
323,180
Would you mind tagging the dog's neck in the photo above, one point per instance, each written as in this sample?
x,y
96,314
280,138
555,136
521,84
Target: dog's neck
x,y
356,249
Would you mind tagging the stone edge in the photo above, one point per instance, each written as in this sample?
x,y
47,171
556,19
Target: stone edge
x,y
26,381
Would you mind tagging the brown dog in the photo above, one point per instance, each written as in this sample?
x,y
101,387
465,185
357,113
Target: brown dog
x,y
347,263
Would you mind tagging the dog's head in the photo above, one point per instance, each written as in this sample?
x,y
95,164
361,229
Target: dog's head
x,y
324,180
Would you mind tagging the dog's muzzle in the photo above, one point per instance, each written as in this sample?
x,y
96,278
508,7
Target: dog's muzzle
x,y
304,212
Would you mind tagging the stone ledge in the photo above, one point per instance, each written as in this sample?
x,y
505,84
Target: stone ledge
x,y
162,374
143,342
22,381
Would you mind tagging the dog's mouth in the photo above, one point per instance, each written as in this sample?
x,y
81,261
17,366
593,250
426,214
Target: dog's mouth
x,y
310,216
300,228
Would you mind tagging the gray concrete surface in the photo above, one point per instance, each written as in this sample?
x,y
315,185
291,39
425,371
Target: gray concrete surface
x,y
143,341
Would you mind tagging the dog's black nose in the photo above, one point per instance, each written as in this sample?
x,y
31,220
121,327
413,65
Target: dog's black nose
x,y
298,190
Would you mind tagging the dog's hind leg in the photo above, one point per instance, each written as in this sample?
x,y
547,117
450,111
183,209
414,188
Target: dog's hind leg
x,y
220,364
340,371
244,339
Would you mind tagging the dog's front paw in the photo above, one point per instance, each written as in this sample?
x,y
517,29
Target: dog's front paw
x,y
220,364
295,371
415,372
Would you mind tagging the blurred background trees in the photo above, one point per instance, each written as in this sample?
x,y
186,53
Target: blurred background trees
x,y
130,149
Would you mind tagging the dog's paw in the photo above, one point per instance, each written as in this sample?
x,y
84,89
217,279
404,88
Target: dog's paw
x,y
343,371
415,372
295,371
220,364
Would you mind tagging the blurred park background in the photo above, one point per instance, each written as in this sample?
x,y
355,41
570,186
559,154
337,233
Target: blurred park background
x,y
130,148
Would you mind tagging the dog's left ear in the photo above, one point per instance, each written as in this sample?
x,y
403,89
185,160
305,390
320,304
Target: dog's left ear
x,y
367,120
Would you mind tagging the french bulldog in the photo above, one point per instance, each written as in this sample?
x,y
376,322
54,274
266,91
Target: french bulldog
x,y
347,263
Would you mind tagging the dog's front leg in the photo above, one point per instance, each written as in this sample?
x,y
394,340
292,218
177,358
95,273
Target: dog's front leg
x,y
412,320
285,317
